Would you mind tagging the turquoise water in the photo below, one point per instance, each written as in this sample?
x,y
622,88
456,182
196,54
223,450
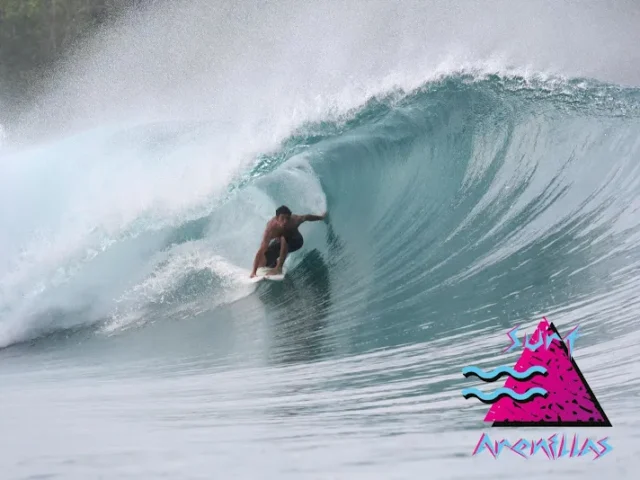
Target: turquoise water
x,y
135,347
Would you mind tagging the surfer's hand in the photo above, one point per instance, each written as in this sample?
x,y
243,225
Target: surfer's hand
x,y
253,274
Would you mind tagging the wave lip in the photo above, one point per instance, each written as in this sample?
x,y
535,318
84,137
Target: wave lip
x,y
496,395
503,371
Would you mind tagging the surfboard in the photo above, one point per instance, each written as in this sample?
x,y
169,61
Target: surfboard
x,y
260,275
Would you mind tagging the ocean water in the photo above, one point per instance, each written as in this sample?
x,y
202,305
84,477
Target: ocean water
x,y
132,344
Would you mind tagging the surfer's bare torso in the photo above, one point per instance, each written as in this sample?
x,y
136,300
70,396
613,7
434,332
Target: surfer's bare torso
x,y
275,230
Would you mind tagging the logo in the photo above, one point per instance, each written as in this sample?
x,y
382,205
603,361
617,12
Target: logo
x,y
545,388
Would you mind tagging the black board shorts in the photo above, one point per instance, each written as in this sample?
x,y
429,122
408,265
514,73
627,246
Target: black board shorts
x,y
294,242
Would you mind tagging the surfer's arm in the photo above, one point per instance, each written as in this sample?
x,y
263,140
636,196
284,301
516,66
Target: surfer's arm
x,y
313,218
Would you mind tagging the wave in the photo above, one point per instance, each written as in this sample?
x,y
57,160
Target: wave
x,y
503,371
496,395
469,188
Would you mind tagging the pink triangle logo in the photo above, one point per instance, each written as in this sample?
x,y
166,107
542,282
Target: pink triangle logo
x,y
564,397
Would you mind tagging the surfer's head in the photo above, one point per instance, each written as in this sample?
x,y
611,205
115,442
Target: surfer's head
x,y
283,214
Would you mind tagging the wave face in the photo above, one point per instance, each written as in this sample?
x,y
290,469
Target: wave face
x,y
469,201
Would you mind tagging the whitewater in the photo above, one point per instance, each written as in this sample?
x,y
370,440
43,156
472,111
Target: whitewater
x,y
480,170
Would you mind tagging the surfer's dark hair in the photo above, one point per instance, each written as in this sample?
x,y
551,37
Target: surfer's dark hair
x,y
283,210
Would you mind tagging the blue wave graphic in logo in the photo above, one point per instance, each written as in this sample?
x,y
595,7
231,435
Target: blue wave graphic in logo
x,y
496,395
502,371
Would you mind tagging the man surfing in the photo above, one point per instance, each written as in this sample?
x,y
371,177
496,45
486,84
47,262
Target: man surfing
x,y
281,237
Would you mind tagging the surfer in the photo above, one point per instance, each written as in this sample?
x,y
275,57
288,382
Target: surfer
x,y
281,237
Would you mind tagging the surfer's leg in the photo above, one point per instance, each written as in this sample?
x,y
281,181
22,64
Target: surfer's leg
x,y
272,254
295,242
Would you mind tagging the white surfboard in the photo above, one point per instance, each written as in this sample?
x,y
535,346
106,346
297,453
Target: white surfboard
x,y
261,275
